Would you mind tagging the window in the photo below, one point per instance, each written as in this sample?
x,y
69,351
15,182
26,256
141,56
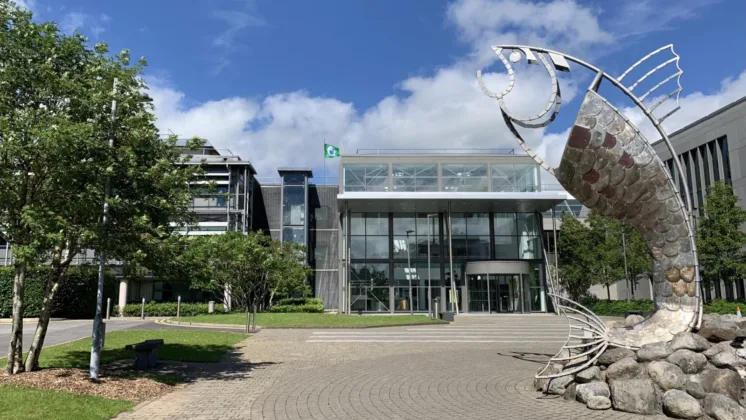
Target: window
x,y
465,177
369,287
417,243
471,238
518,177
366,177
369,236
517,236
706,163
723,145
715,160
415,177
321,213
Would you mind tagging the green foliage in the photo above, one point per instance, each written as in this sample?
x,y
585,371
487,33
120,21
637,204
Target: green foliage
x,y
301,320
76,297
594,253
720,241
300,301
723,307
307,308
165,309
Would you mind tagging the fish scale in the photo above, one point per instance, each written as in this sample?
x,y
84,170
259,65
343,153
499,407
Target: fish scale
x,y
610,168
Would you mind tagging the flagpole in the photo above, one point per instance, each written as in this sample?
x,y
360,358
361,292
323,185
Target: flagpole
x,y
324,181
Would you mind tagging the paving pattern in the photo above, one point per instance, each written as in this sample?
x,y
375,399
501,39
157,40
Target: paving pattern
x,y
476,368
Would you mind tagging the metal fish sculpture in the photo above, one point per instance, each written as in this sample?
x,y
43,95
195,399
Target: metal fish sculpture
x,y
611,168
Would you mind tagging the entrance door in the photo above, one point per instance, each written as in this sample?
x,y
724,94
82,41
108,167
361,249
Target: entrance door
x,y
505,292
478,293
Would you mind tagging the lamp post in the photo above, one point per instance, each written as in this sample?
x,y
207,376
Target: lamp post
x,y
97,336
429,275
409,276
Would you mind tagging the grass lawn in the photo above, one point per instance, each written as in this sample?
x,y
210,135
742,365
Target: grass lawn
x,y
20,403
288,320
179,345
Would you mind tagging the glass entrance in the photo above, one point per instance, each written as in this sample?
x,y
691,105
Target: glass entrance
x,y
501,293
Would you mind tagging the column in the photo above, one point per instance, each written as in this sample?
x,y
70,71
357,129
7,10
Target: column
x,y
123,283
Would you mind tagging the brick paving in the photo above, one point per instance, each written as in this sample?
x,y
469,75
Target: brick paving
x,y
291,374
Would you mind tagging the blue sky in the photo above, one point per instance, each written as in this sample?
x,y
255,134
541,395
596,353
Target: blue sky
x,y
272,79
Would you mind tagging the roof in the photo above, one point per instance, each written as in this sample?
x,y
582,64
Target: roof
x,y
306,171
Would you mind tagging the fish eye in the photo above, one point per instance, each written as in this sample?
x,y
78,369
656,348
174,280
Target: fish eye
x,y
515,56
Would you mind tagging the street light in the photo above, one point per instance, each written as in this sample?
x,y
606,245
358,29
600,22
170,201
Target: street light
x,y
409,268
429,276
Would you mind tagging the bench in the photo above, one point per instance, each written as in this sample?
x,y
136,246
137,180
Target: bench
x,y
146,353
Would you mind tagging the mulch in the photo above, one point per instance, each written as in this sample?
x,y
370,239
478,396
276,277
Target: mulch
x,y
123,384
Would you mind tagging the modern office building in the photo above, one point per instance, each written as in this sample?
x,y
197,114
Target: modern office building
x,y
711,149
465,228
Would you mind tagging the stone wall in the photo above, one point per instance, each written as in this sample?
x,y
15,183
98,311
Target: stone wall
x,y
693,376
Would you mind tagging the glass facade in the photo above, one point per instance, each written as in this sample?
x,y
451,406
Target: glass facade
x,y
433,176
294,216
389,269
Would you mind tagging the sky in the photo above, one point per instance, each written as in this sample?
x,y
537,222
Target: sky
x,y
274,80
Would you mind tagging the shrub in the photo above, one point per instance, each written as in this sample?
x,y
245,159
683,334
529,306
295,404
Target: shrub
x,y
307,308
300,301
164,309
75,298
617,307
722,307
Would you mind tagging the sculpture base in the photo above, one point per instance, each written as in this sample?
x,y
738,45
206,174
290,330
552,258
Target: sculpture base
x,y
691,376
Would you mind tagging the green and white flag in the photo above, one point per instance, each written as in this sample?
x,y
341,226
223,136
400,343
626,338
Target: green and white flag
x,y
330,152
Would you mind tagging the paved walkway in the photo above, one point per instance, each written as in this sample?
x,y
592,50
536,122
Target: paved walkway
x,y
477,368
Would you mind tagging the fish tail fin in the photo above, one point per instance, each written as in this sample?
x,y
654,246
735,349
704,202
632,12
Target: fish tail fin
x,y
587,339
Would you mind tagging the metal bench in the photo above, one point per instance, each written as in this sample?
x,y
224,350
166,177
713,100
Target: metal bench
x,y
146,353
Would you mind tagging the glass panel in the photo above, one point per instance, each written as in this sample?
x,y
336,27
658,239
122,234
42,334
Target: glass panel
x,y
723,141
402,245
457,274
366,177
404,223
408,177
506,247
294,206
478,294
460,249
458,224
294,234
377,247
424,224
357,224
422,247
404,184
402,274
479,247
519,177
458,177
357,247
402,303
354,177
505,224
527,224
715,162
478,223
294,179
377,224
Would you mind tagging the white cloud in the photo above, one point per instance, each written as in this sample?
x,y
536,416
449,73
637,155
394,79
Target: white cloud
x,y
83,22
234,23
444,110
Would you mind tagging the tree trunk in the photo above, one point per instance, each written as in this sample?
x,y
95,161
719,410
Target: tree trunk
x,y
608,292
32,359
253,328
15,349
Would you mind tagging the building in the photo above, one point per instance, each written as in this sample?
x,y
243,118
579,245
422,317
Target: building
x,y
711,149
461,227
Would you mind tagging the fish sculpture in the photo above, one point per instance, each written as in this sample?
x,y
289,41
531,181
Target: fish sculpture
x,y
611,168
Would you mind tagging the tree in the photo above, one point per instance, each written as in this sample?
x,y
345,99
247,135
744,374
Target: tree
x,y
250,266
605,241
291,275
720,241
639,261
575,255
57,162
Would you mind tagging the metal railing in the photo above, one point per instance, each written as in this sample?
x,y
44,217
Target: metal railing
x,y
506,151
316,180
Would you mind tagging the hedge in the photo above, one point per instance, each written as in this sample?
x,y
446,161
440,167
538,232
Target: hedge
x,y
166,309
308,305
723,307
75,298
620,307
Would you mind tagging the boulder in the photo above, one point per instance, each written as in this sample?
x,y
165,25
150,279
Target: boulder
x,y
634,396
614,355
695,389
728,322
723,346
632,320
688,361
722,381
721,407
626,368
725,360
557,385
666,375
689,341
541,384
593,389
681,405
570,392
716,335
591,374
654,351
599,403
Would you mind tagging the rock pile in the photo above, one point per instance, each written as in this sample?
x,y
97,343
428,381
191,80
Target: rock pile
x,y
694,376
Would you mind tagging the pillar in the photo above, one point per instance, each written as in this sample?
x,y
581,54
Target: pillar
x,y
123,283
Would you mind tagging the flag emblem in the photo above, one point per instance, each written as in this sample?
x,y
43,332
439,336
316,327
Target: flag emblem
x,y
330,151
